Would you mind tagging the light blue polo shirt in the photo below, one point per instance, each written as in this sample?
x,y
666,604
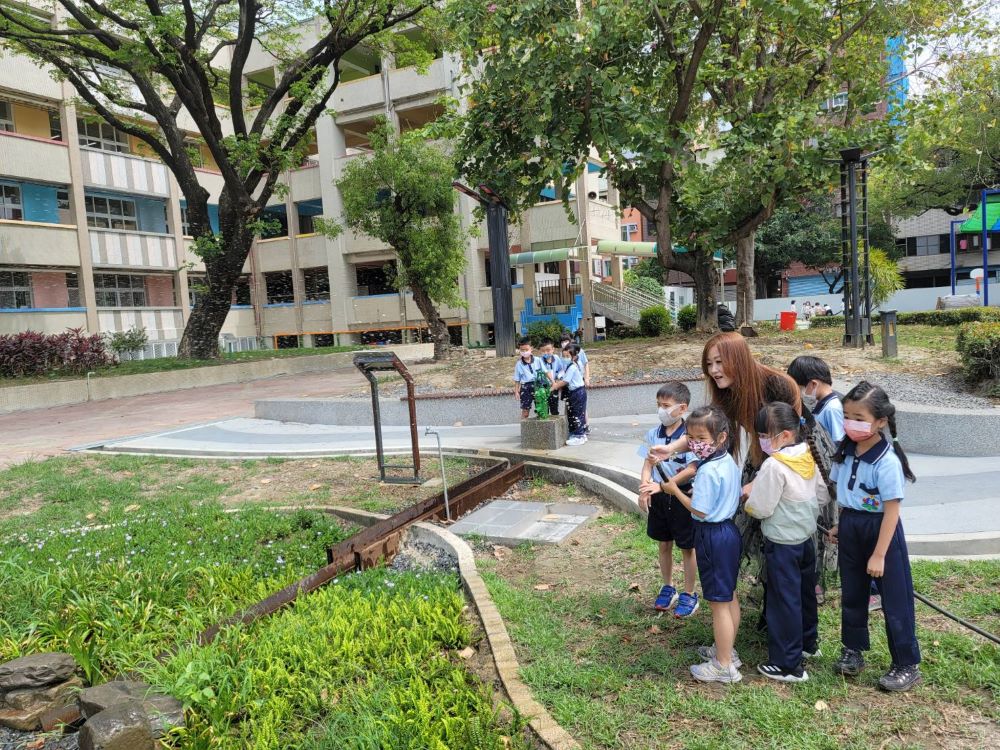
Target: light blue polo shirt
x,y
524,372
676,463
868,481
573,375
717,488
829,412
556,366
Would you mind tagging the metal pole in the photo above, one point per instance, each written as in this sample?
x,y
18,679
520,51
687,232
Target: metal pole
x,y
866,320
444,479
377,420
986,255
845,251
954,262
852,197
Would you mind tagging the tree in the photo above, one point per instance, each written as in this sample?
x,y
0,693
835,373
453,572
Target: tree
x,y
703,112
138,66
806,232
402,194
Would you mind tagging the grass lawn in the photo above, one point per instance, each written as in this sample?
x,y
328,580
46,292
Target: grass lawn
x,y
166,364
615,674
119,559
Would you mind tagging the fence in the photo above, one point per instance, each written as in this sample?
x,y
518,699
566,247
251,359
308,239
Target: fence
x,y
556,292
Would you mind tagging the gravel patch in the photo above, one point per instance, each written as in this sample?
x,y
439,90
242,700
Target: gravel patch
x,y
12,740
930,390
419,556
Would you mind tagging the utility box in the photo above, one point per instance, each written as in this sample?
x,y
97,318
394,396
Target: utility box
x,y
888,318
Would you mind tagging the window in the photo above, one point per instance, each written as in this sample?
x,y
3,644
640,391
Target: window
x,y
55,125
185,229
307,225
15,290
241,293
286,342
274,224
62,199
835,102
102,136
10,202
120,290
317,283
627,230
197,286
374,279
110,213
930,244
72,290
6,117
324,339
650,228
279,287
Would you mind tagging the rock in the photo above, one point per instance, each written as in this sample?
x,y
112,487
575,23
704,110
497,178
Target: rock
x,y
467,653
36,670
121,727
25,709
543,434
63,716
162,711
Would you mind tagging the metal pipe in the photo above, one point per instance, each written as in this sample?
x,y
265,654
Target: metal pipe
x,y
444,479
852,196
377,421
986,253
952,247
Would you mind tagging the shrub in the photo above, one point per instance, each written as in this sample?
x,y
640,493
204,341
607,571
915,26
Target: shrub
x,y
978,345
30,353
124,342
687,317
620,331
545,329
655,321
647,285
922,317
826,321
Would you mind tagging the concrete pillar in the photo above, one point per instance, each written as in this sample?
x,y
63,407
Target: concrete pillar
x,y
586,288
79,209
618,271
528,272
298,286
177,231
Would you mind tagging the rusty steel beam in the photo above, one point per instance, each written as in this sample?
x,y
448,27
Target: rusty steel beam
x,y
379,542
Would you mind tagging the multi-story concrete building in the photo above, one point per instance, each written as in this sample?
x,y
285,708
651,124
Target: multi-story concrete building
x,y
92,228
924,245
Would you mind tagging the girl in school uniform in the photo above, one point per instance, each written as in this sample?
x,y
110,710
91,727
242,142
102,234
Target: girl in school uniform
x,y
870,469
786,498
572,380
713,502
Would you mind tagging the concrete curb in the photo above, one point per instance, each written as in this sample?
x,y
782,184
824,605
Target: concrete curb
x,y
551,734
66,392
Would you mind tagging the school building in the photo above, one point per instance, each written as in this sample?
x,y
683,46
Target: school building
x,y
93,233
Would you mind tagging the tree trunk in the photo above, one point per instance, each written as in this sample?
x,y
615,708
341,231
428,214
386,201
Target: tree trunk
x,y
438,328
744,281
201,335
706,288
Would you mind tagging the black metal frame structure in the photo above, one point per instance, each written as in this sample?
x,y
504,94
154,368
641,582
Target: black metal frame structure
x,y
369,363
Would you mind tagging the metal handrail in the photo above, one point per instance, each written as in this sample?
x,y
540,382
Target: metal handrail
x,y
630,302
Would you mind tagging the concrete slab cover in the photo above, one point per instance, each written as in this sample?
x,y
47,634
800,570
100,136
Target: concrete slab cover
x,y
513,521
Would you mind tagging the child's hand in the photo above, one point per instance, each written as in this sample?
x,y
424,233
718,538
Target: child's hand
x,y
644,502
747,489
649,488
876,565
661,452
831,535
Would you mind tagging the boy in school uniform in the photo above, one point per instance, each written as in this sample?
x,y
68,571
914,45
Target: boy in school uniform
x,y
564,341
554,366
571,380
812,375
668,520
528,365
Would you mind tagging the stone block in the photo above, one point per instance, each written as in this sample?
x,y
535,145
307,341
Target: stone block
x,y
121,727
543,434
24,709
36,670
162,711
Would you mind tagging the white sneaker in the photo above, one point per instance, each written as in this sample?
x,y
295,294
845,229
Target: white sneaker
x,y
708,653
576,441
712,671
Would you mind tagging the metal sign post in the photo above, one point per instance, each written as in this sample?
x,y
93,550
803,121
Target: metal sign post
x,y
369,363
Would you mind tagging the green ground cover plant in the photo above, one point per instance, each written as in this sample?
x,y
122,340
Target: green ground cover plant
x,y
615,675
120,560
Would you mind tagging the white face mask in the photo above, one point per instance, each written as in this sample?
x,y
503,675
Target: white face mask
x,y
808,399
668,416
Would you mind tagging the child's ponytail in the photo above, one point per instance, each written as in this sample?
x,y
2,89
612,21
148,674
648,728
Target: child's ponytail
x,y
907,471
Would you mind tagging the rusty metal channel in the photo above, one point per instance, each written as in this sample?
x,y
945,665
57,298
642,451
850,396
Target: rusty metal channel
x,y
380,542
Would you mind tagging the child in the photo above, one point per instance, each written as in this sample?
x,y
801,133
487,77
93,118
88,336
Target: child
x,y
717,544
668,520
786,496
576,403
813,378
565,339
552,365
870,473
524,376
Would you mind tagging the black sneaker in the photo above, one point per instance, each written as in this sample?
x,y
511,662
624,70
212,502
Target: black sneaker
x,y
851,662
774,672
900,679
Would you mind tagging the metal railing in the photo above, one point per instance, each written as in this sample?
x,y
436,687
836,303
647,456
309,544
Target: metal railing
x,y
627,302
556,292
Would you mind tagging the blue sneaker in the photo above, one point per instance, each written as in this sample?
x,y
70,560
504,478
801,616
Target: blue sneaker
x,y
687,605
667,599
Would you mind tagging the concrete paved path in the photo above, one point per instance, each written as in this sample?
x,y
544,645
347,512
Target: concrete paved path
x,y
954,497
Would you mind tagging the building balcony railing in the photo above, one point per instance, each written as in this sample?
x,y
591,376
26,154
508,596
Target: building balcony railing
x,y
35,243
409,83
124,173
549,222
30,158
161,323
116,248
51,320
360,94
556,292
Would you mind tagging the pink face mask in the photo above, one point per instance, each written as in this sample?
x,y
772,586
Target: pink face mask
x,y
857,430
701,448
765,445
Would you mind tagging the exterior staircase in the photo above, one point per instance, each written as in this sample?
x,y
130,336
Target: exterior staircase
x,y
622,305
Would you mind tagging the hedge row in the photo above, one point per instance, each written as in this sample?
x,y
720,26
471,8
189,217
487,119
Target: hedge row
x,y
978,345
30,353
922,317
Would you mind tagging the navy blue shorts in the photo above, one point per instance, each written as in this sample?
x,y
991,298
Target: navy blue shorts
x,y
527,396
669,521
718,548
